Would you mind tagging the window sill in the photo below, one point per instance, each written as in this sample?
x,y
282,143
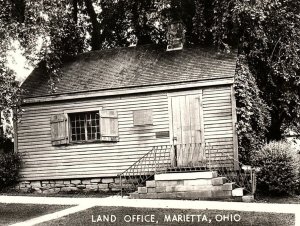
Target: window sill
x,y
85,142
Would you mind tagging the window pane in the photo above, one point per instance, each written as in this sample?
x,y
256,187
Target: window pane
x,y
85,126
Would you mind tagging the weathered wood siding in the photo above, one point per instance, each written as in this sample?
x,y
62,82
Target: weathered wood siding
x,y
218,122
44,161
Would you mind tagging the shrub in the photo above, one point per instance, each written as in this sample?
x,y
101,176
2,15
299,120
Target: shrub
x,y
10,164
279,171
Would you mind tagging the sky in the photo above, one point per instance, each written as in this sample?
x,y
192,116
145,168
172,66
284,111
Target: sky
x,y
17,62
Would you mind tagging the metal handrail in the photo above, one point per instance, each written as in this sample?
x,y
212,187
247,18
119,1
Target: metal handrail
x,y
243,176
197,157
165,158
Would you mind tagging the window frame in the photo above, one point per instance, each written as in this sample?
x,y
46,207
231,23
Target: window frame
x,y
79,111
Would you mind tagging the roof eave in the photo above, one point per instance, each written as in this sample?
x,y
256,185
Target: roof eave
x,y
130,90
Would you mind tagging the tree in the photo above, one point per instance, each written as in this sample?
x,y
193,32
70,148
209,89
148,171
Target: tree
x,y
265,32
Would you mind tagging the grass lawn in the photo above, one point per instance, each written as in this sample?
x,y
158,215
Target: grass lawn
x,y
13,213
166,217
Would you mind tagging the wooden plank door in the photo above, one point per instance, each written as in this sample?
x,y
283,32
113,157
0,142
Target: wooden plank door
x,y
186,128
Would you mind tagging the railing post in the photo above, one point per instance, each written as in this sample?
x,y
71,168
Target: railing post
x,y
121,186
209,158
155,162
253,181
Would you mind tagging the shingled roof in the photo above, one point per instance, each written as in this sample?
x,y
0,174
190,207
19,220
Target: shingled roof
x,y
134,66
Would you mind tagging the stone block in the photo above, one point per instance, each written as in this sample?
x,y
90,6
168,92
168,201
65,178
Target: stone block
x,y
248,198
150,190
91,187
238,192
59,182
35,183
118,187
86,181
185,188
69,189
160,189
56,190
45,188
77,181
150,184
107,180
218,180
163,183
26,182
191,195
95,180
81,186
197,182
228,186
185,175
103,186
39,191
52,182
67,182
220,193
51,190
36,189
60,185
142,190
149,196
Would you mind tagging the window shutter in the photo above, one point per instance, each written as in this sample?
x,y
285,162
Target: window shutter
x,y
109,130
59,132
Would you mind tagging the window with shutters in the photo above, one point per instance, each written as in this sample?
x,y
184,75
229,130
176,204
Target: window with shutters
x,y
80,127
84,126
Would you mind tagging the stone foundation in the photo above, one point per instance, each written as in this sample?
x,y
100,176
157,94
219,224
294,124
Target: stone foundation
x,y
70,185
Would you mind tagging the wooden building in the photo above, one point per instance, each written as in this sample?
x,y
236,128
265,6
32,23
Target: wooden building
x,y
111,107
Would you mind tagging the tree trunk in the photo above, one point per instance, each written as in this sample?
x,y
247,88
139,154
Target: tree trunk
x,y
274,130
96,36
75,11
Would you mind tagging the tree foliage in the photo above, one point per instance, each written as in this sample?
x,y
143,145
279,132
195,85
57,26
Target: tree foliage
x,y
265,32
253,113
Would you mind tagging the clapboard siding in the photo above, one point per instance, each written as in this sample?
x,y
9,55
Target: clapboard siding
x,y
218,124
44,161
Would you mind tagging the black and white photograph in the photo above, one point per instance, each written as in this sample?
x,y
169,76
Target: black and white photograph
x,y
149,112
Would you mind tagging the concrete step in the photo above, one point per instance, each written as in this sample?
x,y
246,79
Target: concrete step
x,y
190,195
238,192
229,186
185,176
218,181
150,183
183,188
